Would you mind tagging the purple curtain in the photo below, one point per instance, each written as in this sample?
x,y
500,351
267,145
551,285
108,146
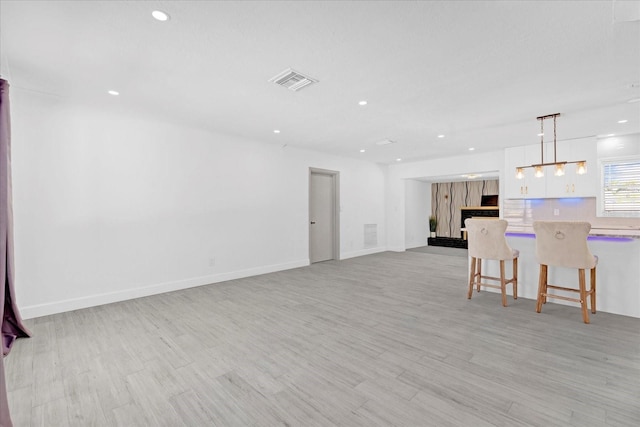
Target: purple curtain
x,y
12,326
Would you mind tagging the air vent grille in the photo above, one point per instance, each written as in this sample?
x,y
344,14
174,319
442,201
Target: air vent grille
x,y
293,80
370,235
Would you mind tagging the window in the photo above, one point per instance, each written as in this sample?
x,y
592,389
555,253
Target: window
x,y
620,194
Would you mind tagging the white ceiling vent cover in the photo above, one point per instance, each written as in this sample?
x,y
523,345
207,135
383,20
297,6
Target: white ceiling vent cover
x,y
292,80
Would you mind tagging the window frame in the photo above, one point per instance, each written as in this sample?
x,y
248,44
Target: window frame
x,y
602,163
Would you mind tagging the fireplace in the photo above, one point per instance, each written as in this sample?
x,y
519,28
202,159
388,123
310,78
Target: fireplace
x,y
475,212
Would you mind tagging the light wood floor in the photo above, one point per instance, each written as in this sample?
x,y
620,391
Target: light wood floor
x,y
387,339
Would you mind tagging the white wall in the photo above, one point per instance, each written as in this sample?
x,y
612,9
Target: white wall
x,y
400,174
619,146
108,206
417,210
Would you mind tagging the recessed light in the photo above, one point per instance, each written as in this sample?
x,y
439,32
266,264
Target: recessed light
x,y
362,103
160,15
276,131
623,121
440,136
398,160
541,134
471,148
113,92
363,150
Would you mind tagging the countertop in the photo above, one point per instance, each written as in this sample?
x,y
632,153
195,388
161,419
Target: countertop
x,y
618,231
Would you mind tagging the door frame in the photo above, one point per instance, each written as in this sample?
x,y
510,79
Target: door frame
x,y
335,194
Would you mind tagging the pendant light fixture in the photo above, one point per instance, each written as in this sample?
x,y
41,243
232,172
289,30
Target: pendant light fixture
x,y
581,165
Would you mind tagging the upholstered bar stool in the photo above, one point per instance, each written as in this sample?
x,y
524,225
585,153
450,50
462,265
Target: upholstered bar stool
x,y
486,241
564,244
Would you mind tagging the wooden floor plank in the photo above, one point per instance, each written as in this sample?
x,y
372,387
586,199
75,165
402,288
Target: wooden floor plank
x,y
384,339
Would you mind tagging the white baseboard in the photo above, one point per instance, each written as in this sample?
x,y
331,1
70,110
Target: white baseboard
x,y
39,310
397,249
416,245
362,252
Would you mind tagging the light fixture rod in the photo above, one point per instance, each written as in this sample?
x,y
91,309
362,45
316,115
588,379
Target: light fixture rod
x,y
541,139
542,119
554,138
550,164
548,116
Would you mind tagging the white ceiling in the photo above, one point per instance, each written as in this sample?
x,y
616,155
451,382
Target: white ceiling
x,y
478,72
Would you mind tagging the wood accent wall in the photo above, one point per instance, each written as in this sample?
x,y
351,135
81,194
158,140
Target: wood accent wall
x,y
448,197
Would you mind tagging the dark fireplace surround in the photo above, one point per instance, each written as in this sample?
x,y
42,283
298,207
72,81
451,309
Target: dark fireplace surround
x,y
453,203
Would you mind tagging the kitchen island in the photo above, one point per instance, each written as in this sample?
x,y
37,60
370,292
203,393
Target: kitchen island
x,y
618,270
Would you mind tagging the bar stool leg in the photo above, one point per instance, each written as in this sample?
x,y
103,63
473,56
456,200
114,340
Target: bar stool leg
x,y
583,295
515,278
479,274
542,280
503,284
545,288
472,277
593,290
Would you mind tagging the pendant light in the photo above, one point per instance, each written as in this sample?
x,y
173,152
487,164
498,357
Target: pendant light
x,y
581,165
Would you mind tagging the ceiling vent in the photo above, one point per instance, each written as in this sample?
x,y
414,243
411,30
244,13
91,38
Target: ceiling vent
x,y
293,80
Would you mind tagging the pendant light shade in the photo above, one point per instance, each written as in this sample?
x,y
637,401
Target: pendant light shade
x,y
581,168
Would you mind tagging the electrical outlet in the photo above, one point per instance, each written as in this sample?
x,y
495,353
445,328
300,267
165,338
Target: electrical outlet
x,y
212,262
556,212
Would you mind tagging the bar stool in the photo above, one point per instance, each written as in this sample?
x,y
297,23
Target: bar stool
x,y
564,244
486,240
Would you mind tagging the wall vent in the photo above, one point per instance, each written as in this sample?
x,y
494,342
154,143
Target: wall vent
x,y
370,235
293,80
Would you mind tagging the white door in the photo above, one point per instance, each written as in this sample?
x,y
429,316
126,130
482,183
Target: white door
x,y
322,216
